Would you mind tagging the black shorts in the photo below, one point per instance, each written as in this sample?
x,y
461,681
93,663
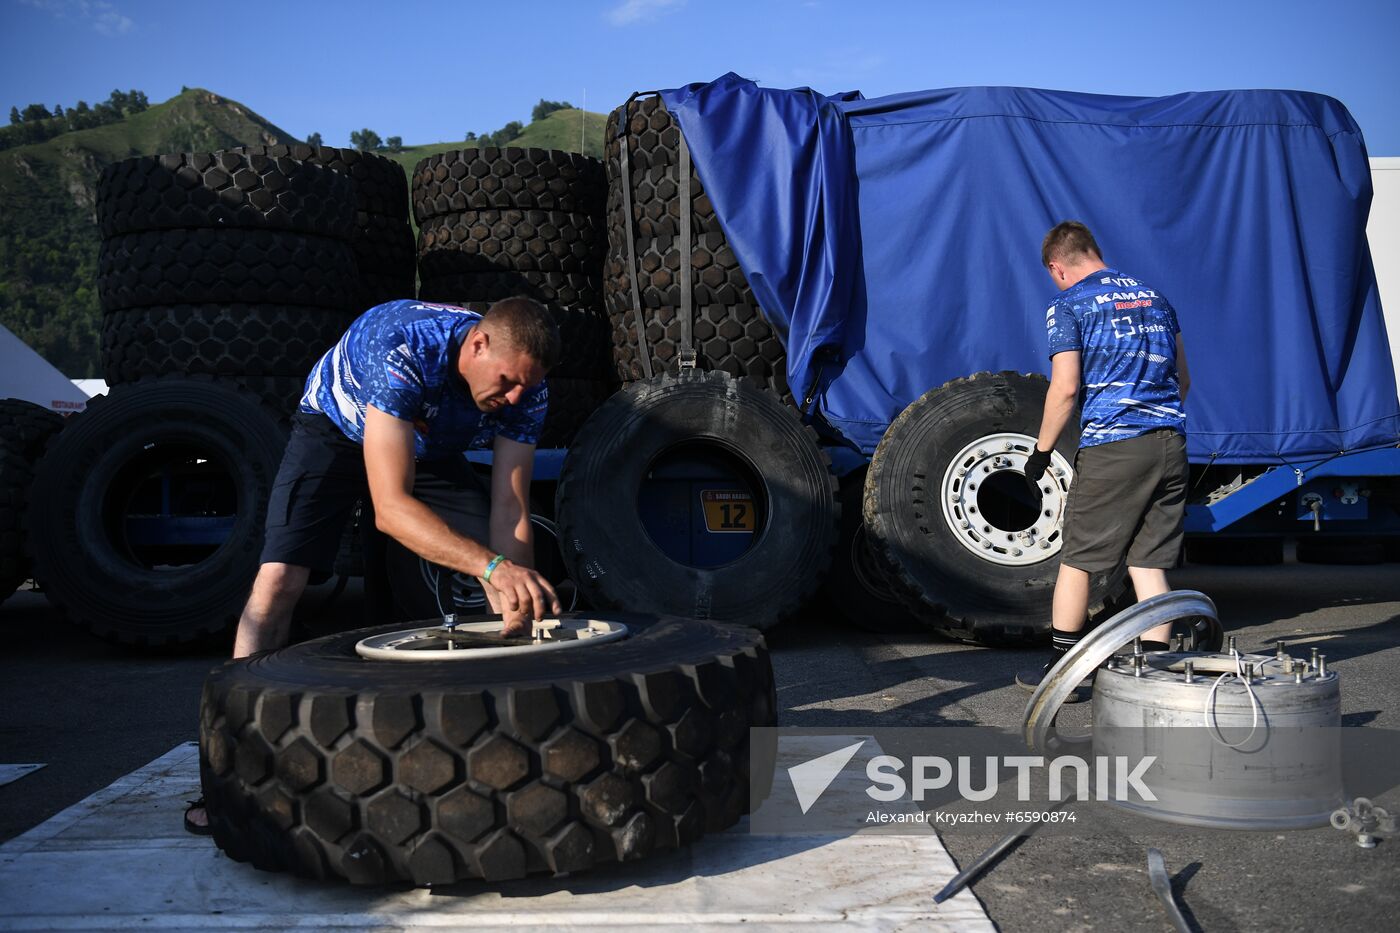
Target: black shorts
x,y
321,478
1128,497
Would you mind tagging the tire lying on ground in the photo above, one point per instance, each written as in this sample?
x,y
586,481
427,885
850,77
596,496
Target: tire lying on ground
x,y
772,506
318,762
24,430
147,512
950,514
857,585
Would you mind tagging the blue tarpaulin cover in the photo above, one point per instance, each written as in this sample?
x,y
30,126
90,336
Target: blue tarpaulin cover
x,y
895,244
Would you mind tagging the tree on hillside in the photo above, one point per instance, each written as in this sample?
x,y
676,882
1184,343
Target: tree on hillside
x,y
57,111
470,137
314,140
15,119
545,107
36,112
365,140
395,143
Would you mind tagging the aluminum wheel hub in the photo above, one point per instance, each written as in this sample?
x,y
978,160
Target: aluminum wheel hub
x,y
979,502
462,641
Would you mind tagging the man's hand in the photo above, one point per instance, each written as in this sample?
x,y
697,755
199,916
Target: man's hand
x,y
525,596
1036,464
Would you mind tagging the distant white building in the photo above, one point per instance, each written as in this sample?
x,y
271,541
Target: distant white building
x,y
26,375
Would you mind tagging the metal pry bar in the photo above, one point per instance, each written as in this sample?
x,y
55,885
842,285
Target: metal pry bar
x,y
1162,884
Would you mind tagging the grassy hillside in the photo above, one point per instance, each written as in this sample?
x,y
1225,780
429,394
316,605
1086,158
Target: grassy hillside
x,y
558,130
48,235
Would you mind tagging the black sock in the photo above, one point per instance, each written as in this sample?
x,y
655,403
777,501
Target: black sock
x,y
1062,642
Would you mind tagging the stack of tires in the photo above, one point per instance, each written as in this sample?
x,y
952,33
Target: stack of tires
x,y
729,332
496,223
695,491
223,277
237,265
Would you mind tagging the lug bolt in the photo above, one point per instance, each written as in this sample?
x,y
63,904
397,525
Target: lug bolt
x,y
1280,652
1015,552
962,471
1322,665
1287,664
986,545
981,453
1314,658
1008,446
1175,643
1298,673
1230,645
964,524
1045,545
1190,672
1137,665
1137,646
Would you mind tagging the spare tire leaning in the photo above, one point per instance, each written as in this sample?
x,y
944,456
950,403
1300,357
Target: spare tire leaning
x,y
146,520
316,761
24,430
697,495
949,511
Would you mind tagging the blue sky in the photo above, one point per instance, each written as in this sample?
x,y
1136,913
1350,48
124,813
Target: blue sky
x,y
431,71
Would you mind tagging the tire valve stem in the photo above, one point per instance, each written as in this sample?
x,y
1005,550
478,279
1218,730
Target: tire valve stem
x,y
1190,671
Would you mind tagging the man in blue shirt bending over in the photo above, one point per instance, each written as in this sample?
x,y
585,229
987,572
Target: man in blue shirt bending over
x,y
1115,340
389,410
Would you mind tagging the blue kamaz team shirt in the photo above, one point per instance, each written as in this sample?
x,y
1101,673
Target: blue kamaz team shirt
x,y
1126,335
399,357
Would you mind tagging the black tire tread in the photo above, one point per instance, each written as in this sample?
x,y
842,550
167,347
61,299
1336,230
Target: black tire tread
x,y
24,431
494,178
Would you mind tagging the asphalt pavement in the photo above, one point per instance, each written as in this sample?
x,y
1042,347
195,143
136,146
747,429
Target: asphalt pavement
x,y
91,712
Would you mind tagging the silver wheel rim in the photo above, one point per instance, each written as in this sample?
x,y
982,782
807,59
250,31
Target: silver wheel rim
x,y
994,455
465,641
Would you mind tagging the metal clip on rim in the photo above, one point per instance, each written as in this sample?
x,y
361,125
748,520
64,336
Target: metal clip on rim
x,y
1096,648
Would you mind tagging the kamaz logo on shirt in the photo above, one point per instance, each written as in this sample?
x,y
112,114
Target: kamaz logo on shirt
x,y
1127,297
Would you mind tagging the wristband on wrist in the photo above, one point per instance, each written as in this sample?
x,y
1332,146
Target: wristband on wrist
x,y
495,562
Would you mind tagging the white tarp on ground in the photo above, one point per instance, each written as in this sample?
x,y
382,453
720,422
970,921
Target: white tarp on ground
x,y
27,375
121,860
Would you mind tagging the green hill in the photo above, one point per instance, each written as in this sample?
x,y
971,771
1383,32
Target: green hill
x,y
558,130
48,232
48,236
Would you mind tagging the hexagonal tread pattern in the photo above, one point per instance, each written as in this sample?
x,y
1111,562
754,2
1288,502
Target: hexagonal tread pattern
x,y
216,266
506,241
224,190
512,177
221,340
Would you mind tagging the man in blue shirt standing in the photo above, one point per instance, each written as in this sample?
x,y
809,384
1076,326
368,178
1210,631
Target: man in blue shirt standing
x,y
389,410
1116,341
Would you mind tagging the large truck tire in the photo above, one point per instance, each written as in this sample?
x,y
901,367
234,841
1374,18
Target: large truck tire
x,y
951,515
857,586
569,289
380,184
614,557
506,178
716,278
727,338
508,241
383,245
656,205
571,403
25,429
168,267
653,137
218,340
318,762
147,513
223,190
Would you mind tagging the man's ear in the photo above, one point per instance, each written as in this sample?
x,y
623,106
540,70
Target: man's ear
x,y
480,341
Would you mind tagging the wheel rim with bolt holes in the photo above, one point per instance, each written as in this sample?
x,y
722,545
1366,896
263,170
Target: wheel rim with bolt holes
x,y
469,640
986,501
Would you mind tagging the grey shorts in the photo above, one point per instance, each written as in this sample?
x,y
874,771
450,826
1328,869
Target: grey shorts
x,y
1127,497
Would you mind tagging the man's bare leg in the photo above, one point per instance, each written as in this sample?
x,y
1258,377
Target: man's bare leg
x,y
265,622
1149,582
1070,609
267,616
